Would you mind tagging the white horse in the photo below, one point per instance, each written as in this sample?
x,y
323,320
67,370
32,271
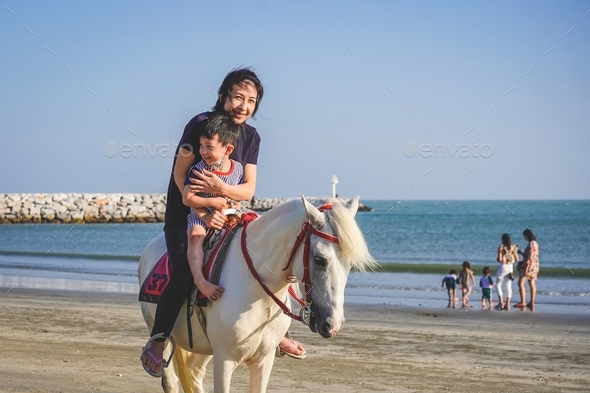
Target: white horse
x,y
245,324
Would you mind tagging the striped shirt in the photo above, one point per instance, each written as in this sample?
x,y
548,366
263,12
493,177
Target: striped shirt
x,y
234,176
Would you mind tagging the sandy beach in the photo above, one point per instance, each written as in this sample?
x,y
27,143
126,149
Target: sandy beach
x,y
78,342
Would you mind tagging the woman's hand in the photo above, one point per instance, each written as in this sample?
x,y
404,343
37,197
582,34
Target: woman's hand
x,y
206,182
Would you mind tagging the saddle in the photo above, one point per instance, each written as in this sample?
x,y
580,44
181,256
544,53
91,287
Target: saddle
x,y
215,247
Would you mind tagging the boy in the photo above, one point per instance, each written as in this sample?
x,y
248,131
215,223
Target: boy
x,y
216,144
486,284
450,280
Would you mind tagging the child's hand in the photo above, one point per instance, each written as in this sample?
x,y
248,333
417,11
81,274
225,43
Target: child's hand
x,y
218,203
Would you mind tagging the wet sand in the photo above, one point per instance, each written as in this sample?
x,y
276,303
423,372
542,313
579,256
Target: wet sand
x,y
78,342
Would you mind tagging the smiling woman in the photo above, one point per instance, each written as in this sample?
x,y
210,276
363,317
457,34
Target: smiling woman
x,y
238,96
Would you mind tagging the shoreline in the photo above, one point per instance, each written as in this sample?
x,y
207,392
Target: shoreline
x,y
78,208
364,289
56,341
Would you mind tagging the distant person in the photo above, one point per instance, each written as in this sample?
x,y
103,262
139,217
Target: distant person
x,y
507,255
217,142
528,269
466,280
450,281
486,283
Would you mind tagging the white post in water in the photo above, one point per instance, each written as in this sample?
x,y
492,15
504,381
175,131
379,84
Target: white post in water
x,y
334,181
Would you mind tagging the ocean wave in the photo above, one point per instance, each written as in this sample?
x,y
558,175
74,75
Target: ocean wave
x,y
132,258
430,268
67,269
405,288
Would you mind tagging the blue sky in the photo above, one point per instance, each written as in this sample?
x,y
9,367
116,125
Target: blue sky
x,y
349,88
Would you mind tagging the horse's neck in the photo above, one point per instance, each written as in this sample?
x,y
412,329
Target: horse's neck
x,y
271,237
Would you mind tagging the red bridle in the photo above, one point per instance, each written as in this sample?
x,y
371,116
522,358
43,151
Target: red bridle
x,y
304,237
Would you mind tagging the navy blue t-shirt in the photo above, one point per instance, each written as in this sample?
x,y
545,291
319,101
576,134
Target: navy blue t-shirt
x,y
245,152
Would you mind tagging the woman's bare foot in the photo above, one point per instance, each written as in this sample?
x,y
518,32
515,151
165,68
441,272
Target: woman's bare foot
x,y
531,306
152,356
211,291
292,348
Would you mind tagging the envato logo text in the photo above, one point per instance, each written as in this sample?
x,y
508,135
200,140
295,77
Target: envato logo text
x,y
463,150
145,150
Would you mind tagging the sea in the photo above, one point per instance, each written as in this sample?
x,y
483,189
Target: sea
x,y
415,242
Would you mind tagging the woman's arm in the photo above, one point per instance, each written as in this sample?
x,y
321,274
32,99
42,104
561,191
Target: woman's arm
x,y
184,161
500,258
209,182
191,199
515,252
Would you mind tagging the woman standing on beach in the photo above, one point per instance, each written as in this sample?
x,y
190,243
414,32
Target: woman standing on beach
x,y
528,269
507,255
239,96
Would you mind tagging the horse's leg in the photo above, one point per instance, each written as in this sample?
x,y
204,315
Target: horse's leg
x,y
222,371
260,373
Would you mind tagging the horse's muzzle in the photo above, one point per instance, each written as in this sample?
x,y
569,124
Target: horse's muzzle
x,y
320,325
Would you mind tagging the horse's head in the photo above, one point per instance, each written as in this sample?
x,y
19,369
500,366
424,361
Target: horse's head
x,y
330,262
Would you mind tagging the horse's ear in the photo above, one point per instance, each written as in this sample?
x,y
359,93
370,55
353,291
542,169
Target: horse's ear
x,y
353,205
315,217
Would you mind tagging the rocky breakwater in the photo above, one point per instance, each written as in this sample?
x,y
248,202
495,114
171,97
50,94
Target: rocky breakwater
x,y
99,208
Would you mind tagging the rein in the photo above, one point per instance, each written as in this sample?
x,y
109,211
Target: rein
x,y
304,237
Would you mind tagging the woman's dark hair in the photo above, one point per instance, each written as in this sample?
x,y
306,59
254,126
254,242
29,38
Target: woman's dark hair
x,y
529,235
466,265
238,76
506,240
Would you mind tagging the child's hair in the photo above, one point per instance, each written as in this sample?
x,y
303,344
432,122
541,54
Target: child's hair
x,y
466,265
486,271
453,271
224,127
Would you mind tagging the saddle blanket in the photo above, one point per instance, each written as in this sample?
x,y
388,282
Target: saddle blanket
x,y
215,245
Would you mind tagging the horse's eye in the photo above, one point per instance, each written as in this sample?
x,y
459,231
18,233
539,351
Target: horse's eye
x,y
319,261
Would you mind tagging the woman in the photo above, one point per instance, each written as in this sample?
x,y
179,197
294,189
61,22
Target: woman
x,y
507,255
528,269
239,96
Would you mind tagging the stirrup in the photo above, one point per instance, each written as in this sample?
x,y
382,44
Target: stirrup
x,y
165,363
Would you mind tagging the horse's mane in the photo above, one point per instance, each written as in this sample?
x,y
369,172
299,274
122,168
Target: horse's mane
x,y
353,248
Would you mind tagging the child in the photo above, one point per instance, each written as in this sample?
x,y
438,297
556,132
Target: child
x,y
486,284
217,142
449,280
465,281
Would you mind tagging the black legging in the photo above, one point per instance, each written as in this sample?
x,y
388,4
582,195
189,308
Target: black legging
x,y
181,280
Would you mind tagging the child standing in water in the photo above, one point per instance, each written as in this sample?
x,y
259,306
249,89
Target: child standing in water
x,y
449,280
466,280
486,284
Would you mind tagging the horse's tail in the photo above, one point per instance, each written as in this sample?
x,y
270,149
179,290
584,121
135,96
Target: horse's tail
x,y
189,375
